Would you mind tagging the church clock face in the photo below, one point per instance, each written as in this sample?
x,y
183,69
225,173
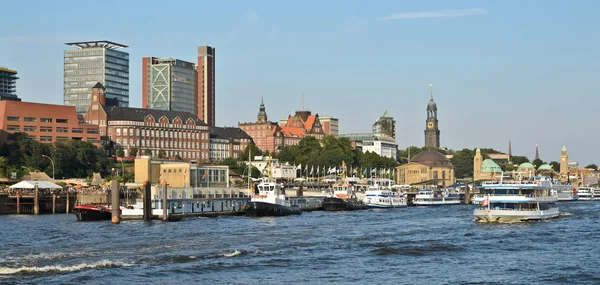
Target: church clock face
x,y
430,125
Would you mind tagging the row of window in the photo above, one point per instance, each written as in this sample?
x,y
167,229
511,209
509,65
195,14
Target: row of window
x,y
47,129
34,119
159,133
62,139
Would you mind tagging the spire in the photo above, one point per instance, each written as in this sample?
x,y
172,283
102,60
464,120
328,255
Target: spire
x,y
537,152
262,114
431,105
509,150
564,149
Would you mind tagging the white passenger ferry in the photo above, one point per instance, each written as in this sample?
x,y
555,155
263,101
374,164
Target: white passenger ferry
x,y
516,201
437,197
585,193
380,195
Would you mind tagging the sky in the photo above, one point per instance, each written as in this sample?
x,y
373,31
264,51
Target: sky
x,y
523,71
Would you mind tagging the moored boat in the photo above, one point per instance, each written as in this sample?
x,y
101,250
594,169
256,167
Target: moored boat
x,y
516,201
585,193
343,197
437,197
379,195
92,212
270,200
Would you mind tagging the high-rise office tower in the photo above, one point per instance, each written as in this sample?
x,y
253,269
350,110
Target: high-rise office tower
x,y
8,84
206,84
92,62
169,84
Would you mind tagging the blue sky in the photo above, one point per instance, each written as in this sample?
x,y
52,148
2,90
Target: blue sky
x,y
519,70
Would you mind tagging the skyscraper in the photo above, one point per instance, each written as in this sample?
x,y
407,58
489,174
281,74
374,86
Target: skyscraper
x,y
92,62
169,84
206,84
385,126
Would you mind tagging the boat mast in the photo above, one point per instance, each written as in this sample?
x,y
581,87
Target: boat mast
x,y
249,170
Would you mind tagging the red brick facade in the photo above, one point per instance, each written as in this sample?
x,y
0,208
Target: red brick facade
x,y
45,122
176,133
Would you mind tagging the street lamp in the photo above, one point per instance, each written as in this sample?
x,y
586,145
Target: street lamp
x,y
52,161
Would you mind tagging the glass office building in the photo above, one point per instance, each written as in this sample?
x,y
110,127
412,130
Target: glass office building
x,y
93,62
8,84
170,85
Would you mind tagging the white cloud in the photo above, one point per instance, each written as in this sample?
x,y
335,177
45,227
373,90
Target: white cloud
x,y
435,14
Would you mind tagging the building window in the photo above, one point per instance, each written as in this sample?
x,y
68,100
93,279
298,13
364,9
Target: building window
x,y
30,119
62,121
13,127
12,118
131,132
46,129
77,130
92,131
118,131
62,130
46,120
61,139
45,139
29,128
101,132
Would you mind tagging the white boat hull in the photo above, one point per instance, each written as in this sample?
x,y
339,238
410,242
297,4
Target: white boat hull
x,y
508,216
436,203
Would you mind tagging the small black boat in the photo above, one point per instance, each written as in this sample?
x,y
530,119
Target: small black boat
x,y
339,204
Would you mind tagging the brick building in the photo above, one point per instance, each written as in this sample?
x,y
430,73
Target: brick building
x,y
45,122
176,133
270,136
227,142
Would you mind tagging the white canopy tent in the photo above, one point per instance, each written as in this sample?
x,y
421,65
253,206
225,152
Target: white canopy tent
x,y
28,184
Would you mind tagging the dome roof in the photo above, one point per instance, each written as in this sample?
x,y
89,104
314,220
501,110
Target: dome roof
x,y
489,166
431,158
526,165
545,167
431,104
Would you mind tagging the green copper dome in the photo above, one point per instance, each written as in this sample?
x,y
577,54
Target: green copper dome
x,y
490,166
526,165
545,167
564,149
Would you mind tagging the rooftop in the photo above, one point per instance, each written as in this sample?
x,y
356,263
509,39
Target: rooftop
x,y
95,44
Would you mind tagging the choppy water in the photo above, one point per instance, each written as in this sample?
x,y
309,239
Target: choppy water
x,y
399,246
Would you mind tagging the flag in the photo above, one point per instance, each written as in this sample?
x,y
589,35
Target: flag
x,y
299,167
364,172
486,201
205,173
311,170
317,170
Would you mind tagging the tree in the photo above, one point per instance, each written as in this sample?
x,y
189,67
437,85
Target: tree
x,y
407,154
147,152
3,165
519,159
250,149
133,151
555,166
120,152
178,157
592,166
286,155
463,163
162,154
537,162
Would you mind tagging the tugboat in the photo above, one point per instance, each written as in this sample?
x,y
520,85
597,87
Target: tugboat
x,y
343,198
93,212
269,199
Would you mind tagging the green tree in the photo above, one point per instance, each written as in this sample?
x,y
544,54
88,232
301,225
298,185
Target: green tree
x,y
555,166
120,152
592,166
162,154
308,150
251,149
286,155
537,162
519,159
463,163
405,155
178,157
3,165
147,152
133,151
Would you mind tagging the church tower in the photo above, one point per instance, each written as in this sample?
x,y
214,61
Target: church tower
x,y
262,114
564,161
477,162
432,132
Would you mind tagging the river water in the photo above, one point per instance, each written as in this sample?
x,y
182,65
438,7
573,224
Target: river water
x,y
415,245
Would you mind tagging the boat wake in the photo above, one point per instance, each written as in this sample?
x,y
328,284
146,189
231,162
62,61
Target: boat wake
x,y
59,268
232,254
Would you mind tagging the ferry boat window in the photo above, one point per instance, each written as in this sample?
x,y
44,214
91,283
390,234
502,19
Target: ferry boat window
x,y
271,188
